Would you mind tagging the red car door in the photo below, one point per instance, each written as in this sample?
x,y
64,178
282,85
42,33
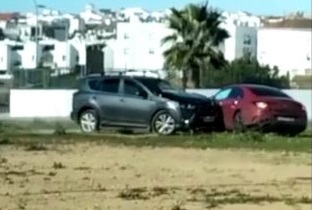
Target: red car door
x,y
229,100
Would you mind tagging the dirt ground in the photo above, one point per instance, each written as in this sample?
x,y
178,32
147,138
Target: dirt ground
x,y
91,176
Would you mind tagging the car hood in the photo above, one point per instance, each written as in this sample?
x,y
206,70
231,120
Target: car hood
x,y
184,97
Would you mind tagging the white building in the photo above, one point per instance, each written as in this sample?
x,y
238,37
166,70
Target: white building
x,y
287,45
242,28
5,57
138,45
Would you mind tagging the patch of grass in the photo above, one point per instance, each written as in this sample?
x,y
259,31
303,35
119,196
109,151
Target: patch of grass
x,y
27,125
58,165
59,129
217,198
133,194
254,141
36,147
5,141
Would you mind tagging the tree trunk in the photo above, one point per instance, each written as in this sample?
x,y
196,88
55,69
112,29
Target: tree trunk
x,y
195,77
190,79
184,79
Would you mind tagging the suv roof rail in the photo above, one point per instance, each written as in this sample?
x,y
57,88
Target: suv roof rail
x,y
130,73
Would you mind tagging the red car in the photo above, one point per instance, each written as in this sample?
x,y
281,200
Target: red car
x,y
264,107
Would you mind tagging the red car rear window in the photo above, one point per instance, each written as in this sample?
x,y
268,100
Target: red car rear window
x,y
262,91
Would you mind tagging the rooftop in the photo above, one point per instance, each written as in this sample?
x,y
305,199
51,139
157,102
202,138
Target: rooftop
x,y
298,23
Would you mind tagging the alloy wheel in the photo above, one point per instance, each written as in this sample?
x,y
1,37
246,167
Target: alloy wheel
x,y
88,122
164,124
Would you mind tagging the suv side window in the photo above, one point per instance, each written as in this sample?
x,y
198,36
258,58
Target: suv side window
x,y
236,93
110,85
133,89
95,84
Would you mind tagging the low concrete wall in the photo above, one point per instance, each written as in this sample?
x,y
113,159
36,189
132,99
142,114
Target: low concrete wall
x,y
41,103
58,103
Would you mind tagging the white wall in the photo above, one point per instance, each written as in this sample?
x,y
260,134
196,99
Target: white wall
x,y
62,54
287,49
4,57
29,55
58,103
40,103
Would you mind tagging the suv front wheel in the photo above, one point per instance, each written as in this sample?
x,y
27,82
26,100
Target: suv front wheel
x,y
163,123
88,121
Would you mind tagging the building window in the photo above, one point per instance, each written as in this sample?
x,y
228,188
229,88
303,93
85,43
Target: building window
x,y
126,36
33,58
126,51
247,39
246,52
151,51
63,57
1,59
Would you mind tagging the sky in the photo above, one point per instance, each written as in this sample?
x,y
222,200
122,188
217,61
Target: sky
x,y
259,7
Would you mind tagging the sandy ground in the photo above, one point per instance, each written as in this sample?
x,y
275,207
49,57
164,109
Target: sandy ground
x,y
90,176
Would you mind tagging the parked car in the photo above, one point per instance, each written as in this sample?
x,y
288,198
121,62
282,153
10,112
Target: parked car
x,y
264,107
139,102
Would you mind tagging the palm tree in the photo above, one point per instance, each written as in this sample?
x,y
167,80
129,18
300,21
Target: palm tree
x,y
194,43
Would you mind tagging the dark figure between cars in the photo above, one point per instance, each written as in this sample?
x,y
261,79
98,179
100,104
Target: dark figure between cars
x,y
139,102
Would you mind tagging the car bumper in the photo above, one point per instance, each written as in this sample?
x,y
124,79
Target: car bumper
x,y
197,121
284,124
73,116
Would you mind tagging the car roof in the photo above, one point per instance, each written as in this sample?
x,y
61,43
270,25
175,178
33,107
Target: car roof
x,y
246,85
121,76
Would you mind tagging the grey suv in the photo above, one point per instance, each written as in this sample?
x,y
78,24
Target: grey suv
x,y
139,102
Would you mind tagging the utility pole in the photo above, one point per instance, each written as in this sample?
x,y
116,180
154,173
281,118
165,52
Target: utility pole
x,y
36,32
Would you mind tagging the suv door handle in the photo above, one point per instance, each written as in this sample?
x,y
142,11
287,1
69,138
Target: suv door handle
x,y
94,97
121,100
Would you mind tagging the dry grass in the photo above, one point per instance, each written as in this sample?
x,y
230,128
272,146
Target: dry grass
x,y
89,175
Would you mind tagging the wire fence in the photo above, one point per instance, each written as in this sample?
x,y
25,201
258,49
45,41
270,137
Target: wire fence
x,y
46,78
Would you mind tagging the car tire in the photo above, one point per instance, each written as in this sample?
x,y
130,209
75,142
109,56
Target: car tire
x,y
89,121
163,123
238,124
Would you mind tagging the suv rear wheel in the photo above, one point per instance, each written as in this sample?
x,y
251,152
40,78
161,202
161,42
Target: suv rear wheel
x,y
163,123
88,121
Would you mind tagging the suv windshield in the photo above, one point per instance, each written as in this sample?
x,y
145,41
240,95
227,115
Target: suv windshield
x,y
156,86
164,85
262,91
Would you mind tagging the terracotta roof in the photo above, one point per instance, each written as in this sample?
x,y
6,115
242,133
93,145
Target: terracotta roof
x,y
9,16
300,23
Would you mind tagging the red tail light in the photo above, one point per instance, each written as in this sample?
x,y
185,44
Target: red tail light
x,y
261,105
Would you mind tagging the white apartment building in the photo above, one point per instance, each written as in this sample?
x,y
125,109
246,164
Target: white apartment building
x,y
138,45
287,45
51,53
242,28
